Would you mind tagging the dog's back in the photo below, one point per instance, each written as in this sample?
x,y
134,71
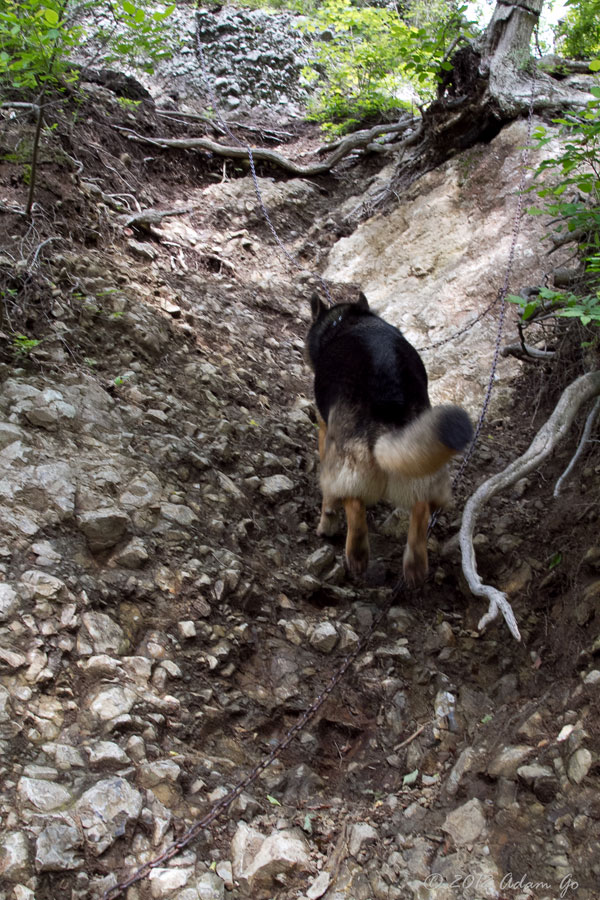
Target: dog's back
x,y
365,370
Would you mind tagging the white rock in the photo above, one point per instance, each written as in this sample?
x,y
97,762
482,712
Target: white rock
x,y
465,824
324,637
105,810
43,795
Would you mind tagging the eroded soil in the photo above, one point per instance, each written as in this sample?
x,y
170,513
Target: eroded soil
x,y
447,763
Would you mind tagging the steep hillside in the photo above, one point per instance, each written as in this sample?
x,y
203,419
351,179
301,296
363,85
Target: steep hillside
x,y
167,612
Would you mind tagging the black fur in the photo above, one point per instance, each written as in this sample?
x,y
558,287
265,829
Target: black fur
x,y
454,428
363,362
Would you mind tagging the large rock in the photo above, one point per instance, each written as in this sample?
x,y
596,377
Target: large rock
x,y
434,262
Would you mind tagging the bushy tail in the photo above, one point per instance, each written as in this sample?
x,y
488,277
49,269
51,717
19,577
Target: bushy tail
x,y
423,446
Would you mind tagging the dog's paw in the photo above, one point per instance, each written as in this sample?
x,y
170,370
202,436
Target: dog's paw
x,y
414,567
357,565
329,523
357,555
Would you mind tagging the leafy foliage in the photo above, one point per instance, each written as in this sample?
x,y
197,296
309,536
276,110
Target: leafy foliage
x,y
369,60
38,37
574,203
578,34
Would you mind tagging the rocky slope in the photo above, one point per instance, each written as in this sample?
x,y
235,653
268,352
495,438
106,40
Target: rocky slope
x,y
166,609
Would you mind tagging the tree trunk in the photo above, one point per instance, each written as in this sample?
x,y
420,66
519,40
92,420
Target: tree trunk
x,y
491,83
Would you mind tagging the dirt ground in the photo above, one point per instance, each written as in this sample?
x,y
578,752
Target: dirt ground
x,y
208,347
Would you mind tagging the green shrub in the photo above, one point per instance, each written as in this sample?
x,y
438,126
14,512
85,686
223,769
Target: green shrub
x,y
367,56
573,201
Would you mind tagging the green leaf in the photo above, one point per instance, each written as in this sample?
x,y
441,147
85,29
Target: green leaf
x,y
273,800
595,65
51,16
410,778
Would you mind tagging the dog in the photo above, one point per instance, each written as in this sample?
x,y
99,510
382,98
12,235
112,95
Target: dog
x,y
379,437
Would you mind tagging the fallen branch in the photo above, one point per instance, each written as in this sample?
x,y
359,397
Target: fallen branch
x,y
147,218
589,424
584,388
352,142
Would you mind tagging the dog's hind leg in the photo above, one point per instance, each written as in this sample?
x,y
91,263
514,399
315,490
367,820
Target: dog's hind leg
x,y
415,555
329,523
357,538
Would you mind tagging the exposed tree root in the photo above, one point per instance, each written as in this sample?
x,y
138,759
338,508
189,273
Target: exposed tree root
x,y
358,140
550,434
589,424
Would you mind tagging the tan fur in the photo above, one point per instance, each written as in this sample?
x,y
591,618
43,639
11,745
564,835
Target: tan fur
x,y
406,468
416,450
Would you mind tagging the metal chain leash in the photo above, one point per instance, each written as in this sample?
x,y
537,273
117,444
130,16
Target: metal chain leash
x,y
222,122
226,801
504,291
399,589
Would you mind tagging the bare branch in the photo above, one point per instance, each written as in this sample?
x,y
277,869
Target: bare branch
x,y
550,434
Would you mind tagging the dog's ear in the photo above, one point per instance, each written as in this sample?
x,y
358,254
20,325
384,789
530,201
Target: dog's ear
x,y
317,307
362,302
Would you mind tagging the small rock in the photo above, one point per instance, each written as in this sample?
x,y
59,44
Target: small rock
x,y
9,603
508,761
321,559
164,882
361,833
324,637
105,810
319,886
132,556
103,528
276,486
42,795
465,824
579,765
14,855
56,846
210,886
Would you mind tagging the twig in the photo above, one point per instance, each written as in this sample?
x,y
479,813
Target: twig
x,y
31,266
527,352
411,737
550,434
589,424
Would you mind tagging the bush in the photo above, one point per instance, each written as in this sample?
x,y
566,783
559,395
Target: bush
x,y
369,61
574,204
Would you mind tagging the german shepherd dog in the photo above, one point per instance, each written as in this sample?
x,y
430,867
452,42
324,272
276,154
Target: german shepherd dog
x,y
379,437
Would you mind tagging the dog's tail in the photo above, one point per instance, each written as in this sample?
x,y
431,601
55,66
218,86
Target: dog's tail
x,y
423,446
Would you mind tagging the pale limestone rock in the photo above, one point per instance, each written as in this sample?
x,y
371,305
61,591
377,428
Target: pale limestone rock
x,y
465,824
14,855
100,634
105,810
324,637
56,847
42,795
438,258
9,602
107,703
